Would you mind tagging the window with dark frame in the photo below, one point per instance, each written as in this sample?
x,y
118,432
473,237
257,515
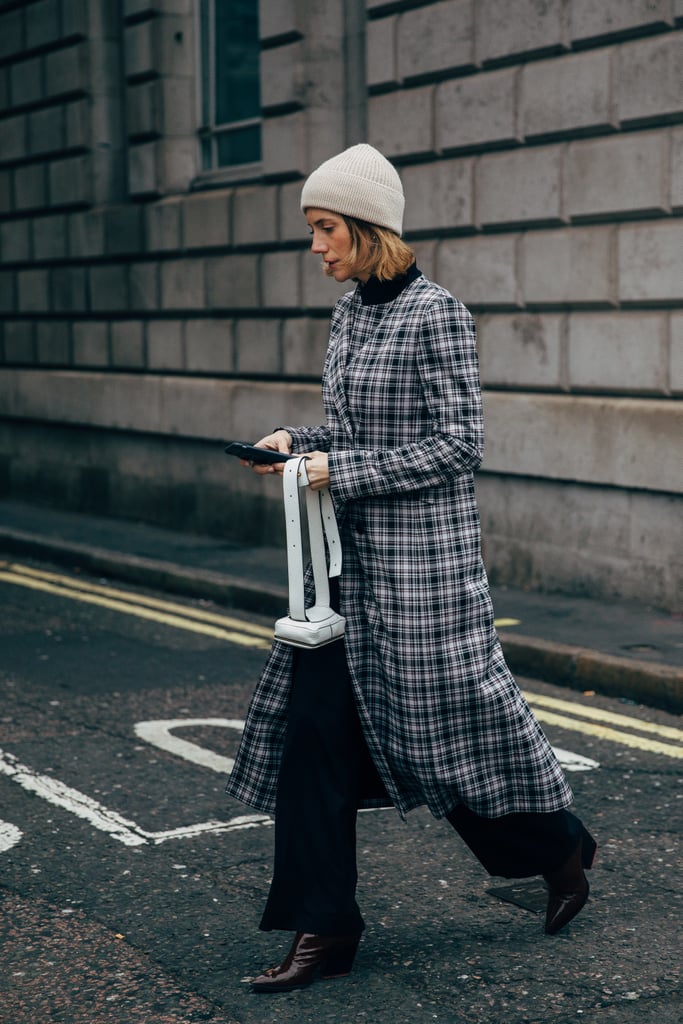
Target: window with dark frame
x,y
230,134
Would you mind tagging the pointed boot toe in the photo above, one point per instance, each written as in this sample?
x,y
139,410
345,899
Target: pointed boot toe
x,y
567,893
563,907
310,955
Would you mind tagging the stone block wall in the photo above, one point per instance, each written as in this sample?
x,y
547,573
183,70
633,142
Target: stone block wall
x,y
150,307
539,147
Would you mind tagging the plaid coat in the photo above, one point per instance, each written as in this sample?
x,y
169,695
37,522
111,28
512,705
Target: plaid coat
x,y
442,716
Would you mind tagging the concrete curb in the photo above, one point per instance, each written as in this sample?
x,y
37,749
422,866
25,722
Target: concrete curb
x,y
579,668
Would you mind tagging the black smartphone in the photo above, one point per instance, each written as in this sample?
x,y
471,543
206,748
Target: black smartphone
x,y
259,456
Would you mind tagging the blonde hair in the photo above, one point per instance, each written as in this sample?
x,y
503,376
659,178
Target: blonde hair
x,y
377,251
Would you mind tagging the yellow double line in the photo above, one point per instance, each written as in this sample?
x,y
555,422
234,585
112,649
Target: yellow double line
x,y
179,616
556,712
596,722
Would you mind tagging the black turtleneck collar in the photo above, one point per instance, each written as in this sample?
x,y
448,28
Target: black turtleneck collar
x,y
374,292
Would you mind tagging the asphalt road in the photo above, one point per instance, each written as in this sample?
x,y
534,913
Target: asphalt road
x,y
131,887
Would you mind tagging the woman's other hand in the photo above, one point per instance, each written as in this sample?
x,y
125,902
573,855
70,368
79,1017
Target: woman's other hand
x,y
317,470
280,441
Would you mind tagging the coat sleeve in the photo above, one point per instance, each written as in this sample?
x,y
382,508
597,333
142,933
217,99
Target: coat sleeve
x,y
309,439
449,377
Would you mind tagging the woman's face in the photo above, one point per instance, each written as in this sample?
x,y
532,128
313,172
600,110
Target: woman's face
x,y
331,239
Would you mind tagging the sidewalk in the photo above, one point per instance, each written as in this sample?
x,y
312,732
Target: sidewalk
x,y
618,648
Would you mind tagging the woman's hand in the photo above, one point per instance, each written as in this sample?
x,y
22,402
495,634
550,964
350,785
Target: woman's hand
x,y
317,470
280,441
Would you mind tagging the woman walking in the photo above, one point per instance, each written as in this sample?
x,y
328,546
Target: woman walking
x,y
415,705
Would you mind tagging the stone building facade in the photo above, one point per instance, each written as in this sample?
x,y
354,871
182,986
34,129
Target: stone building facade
x,y
153,306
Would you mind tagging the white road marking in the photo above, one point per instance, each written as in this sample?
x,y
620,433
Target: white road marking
x,y
56,792
237,824
158,733
100,817
9,835
572,762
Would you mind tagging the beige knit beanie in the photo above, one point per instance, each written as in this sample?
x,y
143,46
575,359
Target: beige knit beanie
x,y
359,183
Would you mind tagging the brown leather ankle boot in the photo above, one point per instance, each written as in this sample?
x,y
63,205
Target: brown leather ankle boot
x,y
329,955
567,892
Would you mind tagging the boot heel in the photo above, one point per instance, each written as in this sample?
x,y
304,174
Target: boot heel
x,y
338,962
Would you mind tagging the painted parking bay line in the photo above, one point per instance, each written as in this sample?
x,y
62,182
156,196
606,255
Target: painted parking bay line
x,y
547,709
9,835
159,734
111,822
165,612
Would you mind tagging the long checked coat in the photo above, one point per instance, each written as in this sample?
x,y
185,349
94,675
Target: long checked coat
x,y
442,716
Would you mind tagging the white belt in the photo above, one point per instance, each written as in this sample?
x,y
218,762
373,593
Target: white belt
x,y
319,624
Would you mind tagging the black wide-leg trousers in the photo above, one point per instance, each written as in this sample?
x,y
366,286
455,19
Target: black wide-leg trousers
x,y
324,759
325,769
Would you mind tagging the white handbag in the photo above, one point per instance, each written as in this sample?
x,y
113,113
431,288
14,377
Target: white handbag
x,y
319,624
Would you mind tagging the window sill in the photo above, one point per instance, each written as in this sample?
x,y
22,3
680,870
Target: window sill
x,y
241,174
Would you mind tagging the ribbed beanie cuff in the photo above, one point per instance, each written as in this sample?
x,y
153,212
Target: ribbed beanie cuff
x,y
359,183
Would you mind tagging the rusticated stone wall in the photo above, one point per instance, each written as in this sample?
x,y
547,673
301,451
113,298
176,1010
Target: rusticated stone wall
x,y
150,310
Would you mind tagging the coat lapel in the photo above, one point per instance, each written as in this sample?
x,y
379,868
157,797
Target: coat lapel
x,y
336,369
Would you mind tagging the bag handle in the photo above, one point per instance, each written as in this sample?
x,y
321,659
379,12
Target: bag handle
x,y
322,524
